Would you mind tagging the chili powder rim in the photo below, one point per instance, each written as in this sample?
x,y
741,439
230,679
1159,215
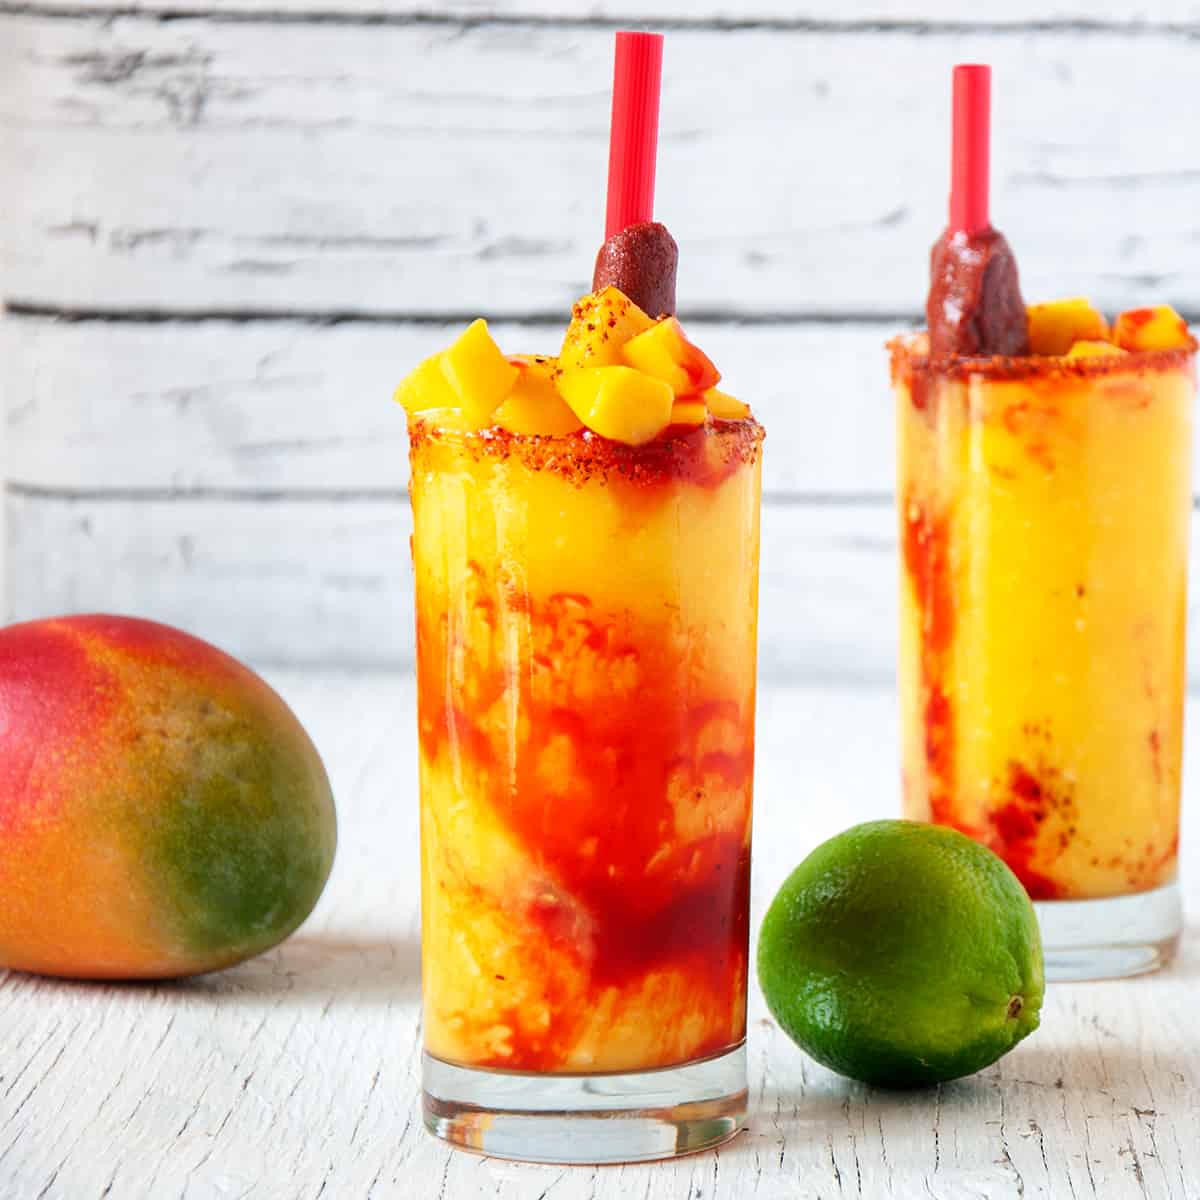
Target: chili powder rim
x,y
681,455
908,361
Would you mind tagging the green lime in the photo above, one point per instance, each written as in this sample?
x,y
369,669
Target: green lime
x,y
902,954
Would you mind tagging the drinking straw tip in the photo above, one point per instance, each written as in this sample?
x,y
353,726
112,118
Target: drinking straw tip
x,y
969,165
633,141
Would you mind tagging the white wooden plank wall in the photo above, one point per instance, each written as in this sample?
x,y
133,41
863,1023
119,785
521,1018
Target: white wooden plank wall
x,y
227,228
915,15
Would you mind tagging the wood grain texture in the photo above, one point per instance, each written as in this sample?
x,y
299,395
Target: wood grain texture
x,y
306,408
920,14
199,165
195,408
8,344
318,581
354,157
328,582
297,1075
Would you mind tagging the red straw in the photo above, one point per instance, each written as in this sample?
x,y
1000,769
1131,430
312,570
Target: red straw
x,y
969,158
633,141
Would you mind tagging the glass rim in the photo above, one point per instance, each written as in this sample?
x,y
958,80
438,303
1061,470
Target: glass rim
x,y
910,356
705,455
426,424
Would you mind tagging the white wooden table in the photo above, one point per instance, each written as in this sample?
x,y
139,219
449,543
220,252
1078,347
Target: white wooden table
x,y
298,1074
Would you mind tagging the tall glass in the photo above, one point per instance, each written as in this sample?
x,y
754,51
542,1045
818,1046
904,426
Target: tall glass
x,y
1044,509
586,647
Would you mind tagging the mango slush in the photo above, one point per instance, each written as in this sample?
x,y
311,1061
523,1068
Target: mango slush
x,y
1044,509
586,649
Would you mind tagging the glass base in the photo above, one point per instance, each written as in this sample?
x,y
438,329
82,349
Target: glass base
x,y
1110,938
588,1118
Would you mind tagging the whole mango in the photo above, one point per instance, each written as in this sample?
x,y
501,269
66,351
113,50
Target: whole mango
x,y
162,811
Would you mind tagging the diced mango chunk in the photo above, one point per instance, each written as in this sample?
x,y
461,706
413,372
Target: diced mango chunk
x,y
601,324
1092,349
665,352
689,412
722,404
479,373
534,405
1056,326
621,374
426,387
618,402
1158,328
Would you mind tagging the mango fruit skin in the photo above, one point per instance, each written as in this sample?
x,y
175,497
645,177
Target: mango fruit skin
x,y
162,811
